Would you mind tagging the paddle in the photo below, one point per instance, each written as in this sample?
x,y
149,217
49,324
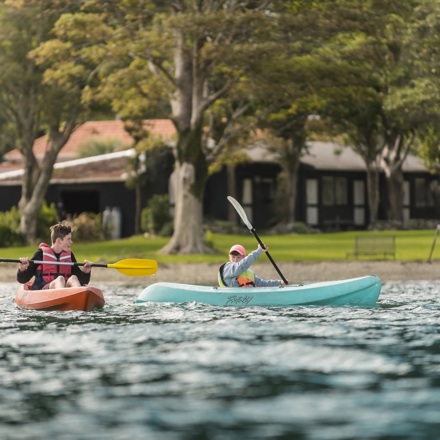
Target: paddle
x,y
434,243
134,267
243,216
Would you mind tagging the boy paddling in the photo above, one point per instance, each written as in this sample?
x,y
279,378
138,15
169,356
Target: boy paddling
x,y
51,275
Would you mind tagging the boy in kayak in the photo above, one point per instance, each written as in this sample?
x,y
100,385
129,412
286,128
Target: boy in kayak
x,y
50,275
238,272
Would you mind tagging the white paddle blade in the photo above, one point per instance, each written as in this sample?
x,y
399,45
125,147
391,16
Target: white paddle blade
x,y
240,212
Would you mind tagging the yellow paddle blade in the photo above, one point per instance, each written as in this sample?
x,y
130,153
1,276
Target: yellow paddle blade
x,y
135,267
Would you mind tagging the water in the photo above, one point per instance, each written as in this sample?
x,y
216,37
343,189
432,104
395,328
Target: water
x,y
200,372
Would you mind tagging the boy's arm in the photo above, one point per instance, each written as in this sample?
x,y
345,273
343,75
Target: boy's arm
x,y
31,270
83,278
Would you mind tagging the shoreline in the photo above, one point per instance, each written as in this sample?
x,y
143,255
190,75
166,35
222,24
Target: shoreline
x,y
206,273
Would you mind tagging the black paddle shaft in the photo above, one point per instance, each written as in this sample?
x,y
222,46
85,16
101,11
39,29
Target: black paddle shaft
x,y
268,255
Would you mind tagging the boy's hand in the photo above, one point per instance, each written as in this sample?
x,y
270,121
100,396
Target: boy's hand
x,y
24,264
87,268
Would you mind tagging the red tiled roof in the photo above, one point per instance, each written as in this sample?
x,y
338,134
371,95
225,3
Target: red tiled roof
x,y
102,130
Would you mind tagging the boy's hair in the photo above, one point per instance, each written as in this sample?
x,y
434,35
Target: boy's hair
x,y
59,231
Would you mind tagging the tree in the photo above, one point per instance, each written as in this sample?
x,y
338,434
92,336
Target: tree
x,y
368,103
28,103
354,113
140,165
421,43
193,53
6,137
286,100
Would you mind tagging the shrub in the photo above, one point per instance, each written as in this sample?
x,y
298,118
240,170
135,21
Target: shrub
x,y
155,218
10,234
47,217
167,229
10,228
96,146
9,238
87,227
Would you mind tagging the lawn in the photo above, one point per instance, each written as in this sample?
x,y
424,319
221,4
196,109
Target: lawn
x,y
414,245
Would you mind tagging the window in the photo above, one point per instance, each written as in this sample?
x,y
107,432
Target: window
x,y
334,190
423,194
312,201
312,191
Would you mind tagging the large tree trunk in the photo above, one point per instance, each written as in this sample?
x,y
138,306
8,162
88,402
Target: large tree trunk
x,y
373,194
188,237
37,177
230,172
296,145
138,208
34,187
392,158
29,218
291,180
394,179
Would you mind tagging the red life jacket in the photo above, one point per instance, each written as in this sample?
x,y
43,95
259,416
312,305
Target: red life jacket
x,y
51,270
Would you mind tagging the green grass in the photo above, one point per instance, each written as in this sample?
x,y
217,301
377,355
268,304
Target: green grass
x,y
410,246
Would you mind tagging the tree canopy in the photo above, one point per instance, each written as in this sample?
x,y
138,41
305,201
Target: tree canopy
x,y
222,69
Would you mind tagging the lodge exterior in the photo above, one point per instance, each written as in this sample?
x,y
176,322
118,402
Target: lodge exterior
x,y
331,186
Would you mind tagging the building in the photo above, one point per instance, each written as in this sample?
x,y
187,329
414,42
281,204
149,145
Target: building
x,y
331,193
92,184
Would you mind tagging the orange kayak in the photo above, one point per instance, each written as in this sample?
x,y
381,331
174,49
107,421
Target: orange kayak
x,y
84,298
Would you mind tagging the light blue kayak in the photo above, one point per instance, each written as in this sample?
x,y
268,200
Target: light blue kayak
x,y
363,291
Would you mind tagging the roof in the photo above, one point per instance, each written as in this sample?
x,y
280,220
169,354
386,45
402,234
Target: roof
x,y
110,167
113,166
89,168
330,156
96,130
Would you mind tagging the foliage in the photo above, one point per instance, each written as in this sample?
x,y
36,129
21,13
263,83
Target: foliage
x,y
86,227
176,60
9,228
9,238
11,218
6,137
10,234
221,70
429,148
31,100
96,147
156,218
47,217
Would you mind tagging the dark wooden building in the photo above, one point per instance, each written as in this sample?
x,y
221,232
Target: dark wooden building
x,y
331,186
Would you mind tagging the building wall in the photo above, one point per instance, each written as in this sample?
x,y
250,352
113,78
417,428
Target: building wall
x,y
335,205
332,200
95,197
9,196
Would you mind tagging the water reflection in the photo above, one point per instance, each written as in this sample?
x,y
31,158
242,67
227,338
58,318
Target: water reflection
x,y
165,371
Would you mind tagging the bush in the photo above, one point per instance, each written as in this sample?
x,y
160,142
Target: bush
x,y
87,227
9,238
11,218
47,217
167,229
10,228
10,234
155,218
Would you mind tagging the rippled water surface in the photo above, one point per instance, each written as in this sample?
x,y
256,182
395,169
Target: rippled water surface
x,y
193,371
